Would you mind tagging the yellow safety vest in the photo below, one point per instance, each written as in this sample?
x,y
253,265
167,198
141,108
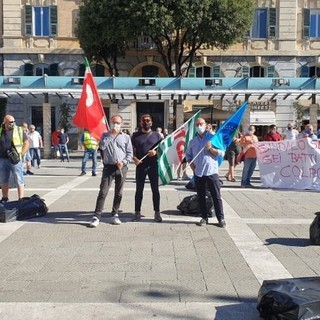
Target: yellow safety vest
x,y
89,142
17,139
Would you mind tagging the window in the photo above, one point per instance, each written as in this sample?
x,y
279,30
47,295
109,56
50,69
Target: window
x,y
258,72
150,71
264,23
307,72
311,23
41,21
205,72
41,69
97,70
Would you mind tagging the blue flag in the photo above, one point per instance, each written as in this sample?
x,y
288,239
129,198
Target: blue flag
x,y
224,136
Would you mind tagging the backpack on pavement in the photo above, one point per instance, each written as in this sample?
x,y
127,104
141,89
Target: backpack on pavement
x,y
190,205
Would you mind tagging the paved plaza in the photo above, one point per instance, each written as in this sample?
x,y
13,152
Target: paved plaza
x,y
55,267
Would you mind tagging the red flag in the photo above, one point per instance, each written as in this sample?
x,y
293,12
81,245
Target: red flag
x,y
90,114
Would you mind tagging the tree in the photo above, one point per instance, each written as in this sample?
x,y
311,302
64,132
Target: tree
x,y
179,28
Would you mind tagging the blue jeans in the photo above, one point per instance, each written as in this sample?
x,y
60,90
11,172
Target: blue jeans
x,y
35,154
63,148
87,154
248,169
6,167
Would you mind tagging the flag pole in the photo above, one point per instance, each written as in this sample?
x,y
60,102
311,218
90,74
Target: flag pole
x,y
171,134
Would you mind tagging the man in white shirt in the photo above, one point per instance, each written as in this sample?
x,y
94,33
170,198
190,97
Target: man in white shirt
x,y
35,142
290,133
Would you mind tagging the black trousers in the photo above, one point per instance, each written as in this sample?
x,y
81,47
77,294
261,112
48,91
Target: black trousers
x,y
142,171
213,184
110,173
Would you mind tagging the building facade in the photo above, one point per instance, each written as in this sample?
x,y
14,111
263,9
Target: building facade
x,y
37,38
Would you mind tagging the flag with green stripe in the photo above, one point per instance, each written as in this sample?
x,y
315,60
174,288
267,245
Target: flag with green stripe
x,y
172,149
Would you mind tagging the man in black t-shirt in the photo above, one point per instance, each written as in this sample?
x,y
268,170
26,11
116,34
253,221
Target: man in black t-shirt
x,y
145,158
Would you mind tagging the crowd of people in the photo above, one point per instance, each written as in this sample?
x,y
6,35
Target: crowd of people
x,y
118,148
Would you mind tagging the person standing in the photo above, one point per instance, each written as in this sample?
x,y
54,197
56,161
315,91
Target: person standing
x,y
90,145
116,152
272,134
35,143
26,158
12,136
232,153
145,158
55,143
308,132
250,159
206,171
290,133
63,145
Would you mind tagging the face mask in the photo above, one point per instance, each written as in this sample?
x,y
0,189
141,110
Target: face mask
x,y
250,132
289,128
116,127
146,125
201,129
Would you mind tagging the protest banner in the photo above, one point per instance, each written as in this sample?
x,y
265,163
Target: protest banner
x,y
289,164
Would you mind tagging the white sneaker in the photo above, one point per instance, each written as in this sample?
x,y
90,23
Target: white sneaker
x,y
116,220
94,222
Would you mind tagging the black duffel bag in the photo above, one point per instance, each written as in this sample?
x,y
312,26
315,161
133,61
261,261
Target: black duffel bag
x,y
26,208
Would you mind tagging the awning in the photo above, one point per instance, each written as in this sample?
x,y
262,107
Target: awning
x,y
262,118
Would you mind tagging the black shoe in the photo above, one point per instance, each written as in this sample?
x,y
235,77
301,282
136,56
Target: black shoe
x,y
202,222
82,173
94,174
29,172
222,223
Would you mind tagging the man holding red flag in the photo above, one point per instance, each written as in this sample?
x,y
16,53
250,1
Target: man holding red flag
x,y
90,114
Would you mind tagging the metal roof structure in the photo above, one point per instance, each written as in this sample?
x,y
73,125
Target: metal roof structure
x,y
165,88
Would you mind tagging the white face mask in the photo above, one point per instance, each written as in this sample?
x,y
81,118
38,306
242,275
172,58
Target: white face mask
x,y
116,126
201,129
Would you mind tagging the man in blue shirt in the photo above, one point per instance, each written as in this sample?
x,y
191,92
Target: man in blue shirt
x,y
203,159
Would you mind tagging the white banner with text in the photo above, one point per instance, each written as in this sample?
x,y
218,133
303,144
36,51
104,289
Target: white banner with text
x,y
289,164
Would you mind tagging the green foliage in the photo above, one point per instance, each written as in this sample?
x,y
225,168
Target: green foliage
x,y
179,28
65,116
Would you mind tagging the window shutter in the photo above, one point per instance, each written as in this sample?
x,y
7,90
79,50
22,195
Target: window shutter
x,y
28,20
304,72
28,69
245,71
192,72
216,72
53,20
54,69
306,23
270,71
82,69
272,22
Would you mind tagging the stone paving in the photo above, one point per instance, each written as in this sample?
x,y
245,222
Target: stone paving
x,y
55,267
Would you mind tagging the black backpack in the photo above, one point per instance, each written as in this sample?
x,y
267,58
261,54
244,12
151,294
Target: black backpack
x,y
190,205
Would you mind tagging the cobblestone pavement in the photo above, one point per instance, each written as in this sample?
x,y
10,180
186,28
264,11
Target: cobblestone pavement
x,y
55,267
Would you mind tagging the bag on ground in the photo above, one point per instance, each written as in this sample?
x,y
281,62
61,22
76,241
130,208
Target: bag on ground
x,y
190,205
291,299
314,230
26,208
